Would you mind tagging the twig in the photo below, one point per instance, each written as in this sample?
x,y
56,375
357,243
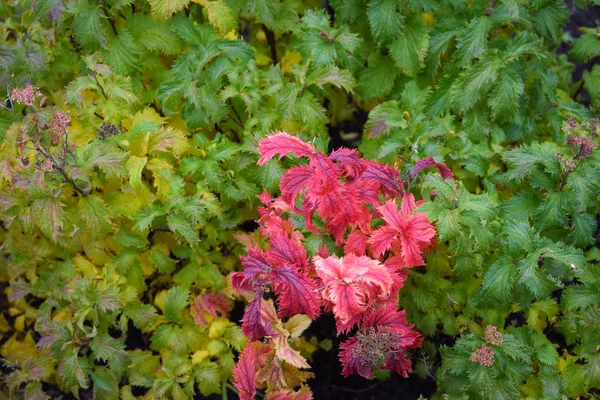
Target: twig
x,y
110,20
490,7
59,168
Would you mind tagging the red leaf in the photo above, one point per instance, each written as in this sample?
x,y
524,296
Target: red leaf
x,y
387,178
293,181
295,293
348,159
406,234
284,394
244,373
214,304
282,143
351,363
254,325
287,251
430,162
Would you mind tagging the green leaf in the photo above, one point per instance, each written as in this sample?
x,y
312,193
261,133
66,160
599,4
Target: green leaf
x,y
109,349
472,42
264,9
208,377
182,228
105,379
331,75
142,315
176,301
86,26
384,118
378,78
504,99
122,53
49,215
72,370
385,19
499,279
550,19
95,216
136,165
163,263
408,51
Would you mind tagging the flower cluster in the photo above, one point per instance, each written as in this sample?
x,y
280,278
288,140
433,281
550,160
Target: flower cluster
x,y
58,126
581,147
483,356
26,95
493,336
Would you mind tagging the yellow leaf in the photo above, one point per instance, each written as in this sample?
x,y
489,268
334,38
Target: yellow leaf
x,y
85,267
261,36
218,327
290,59
13,311
146,265
16,352
4,325
159,299
199,356
428,19
62,316
20,323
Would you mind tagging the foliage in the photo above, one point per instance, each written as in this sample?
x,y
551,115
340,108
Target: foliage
x,y
136,145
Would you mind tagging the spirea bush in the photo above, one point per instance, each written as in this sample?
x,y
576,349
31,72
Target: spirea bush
x,y
191,190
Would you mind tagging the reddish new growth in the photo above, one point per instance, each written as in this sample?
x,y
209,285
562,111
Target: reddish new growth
x,y
493,336
26,95
347,194
483,356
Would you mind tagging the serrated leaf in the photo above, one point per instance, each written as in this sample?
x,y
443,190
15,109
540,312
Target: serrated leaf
x,y
472,42
163,9
176,301
331,75
408,51
385,19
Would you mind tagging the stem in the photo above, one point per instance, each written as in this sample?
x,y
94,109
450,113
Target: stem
x,y
490,7
59,168
110,20
303,90
99,85
271,41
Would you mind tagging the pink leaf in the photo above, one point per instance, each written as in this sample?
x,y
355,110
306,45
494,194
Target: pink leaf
x,y
352,283
282,143
356,243
406,234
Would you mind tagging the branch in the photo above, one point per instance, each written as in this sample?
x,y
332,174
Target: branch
x,y
59,168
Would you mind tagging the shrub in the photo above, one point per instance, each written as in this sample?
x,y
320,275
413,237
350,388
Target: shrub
x,y
140,204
